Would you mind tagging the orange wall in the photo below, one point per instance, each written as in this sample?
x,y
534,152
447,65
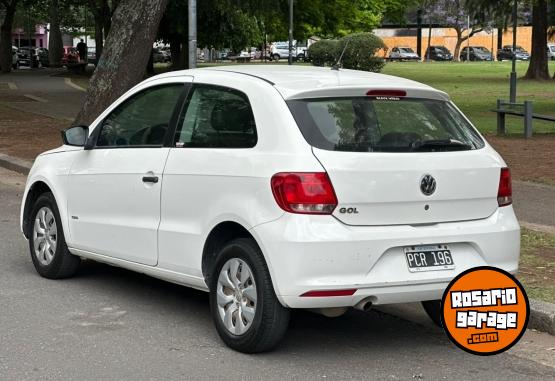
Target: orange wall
x,y
448,37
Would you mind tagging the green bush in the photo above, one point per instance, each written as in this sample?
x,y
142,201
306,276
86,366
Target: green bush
x,y
361,50
360,53
323,52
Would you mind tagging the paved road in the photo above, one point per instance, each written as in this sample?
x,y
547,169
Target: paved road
x,y
109,323
534,203
43,91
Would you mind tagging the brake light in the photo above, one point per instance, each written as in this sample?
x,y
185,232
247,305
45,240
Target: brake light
x,y
328,293
505,192
387,93
304,193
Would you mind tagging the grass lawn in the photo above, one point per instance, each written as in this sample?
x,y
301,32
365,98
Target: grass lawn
x,y
476,86
537,265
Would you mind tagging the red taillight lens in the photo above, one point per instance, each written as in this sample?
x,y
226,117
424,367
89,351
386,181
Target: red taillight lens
x,y
505,193
387,93
304,193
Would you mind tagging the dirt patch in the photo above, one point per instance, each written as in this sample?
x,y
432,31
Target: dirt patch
x,y
529,159
25,135
537,265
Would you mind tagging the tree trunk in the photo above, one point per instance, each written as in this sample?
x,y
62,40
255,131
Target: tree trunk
x,y
125,55
457,51
429,41
538,67
175,50
55,43
107,15
499,38
98,36
6,37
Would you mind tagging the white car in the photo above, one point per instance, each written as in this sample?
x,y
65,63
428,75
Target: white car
x,y
403,54
551,51
280,50
276,187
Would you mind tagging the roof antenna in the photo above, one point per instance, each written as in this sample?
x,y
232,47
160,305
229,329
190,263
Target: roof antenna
x,y
337,65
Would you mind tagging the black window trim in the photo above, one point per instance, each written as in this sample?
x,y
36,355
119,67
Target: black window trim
x,y
185,105
172,125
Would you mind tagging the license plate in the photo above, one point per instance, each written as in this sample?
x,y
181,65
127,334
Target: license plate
x,y
429,258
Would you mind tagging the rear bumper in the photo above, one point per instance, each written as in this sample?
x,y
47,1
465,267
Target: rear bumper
x,y
306,253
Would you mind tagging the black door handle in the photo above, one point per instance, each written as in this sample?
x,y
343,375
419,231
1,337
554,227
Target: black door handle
x,y
150,179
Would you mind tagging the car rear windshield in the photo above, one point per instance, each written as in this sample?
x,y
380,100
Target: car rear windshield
x,y
384,124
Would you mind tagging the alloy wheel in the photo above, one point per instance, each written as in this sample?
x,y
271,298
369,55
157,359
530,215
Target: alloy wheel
x,y
45,236
236,296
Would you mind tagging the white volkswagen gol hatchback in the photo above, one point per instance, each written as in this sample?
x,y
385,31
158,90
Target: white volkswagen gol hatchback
x,y
276,187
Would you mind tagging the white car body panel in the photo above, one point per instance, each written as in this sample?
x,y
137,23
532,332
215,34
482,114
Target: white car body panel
x,y
161,229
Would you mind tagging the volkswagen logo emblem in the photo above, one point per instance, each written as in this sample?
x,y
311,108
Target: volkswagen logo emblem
x,y
428,185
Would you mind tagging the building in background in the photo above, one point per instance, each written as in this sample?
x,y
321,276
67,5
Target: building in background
x,y
37,38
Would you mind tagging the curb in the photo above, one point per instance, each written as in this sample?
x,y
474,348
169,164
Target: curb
x,y
542,314
15,164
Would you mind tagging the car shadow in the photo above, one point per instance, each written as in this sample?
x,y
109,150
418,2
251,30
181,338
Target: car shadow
x,y
308,331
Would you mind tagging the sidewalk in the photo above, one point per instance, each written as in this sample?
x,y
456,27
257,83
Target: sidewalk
x,y
45,92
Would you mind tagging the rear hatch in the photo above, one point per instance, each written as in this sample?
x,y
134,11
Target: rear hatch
x,y
395,159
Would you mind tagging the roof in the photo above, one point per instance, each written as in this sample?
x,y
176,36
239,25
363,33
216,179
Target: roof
x,y
293,81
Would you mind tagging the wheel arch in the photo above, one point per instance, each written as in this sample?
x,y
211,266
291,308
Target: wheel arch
x,y
38,188
221,234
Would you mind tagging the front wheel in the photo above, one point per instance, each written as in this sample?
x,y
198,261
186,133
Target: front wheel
x,y
47,244
247,314
433,309
276,57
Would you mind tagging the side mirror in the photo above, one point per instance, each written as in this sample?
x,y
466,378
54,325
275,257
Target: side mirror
x,y
75,136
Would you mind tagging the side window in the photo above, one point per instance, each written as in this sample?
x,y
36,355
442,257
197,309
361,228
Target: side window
x,y
141,120
216,117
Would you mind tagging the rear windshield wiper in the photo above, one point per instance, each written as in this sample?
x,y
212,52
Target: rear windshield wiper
x,y
440,145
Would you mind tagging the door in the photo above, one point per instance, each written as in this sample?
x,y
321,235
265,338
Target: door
x,y
114,188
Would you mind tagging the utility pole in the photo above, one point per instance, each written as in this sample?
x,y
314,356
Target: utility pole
x,y
192,7
290,32
468,39
419,32
513,72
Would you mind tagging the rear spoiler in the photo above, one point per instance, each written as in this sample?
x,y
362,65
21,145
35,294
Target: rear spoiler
x,y
363,91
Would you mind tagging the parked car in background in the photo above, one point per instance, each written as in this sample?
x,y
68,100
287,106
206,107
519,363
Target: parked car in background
x,y
438,53
15,57
280,50
33,57
91,55
477,53
71,56
506,53
160,56
551,51
403,53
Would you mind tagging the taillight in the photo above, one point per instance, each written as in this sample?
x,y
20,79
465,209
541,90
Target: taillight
x,y
505,192
304,193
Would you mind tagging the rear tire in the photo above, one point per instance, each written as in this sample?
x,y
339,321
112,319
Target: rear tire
x,y
433,309
47,244
265,324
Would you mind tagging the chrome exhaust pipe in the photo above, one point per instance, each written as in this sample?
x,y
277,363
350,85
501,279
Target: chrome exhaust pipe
x,y
364,305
